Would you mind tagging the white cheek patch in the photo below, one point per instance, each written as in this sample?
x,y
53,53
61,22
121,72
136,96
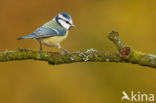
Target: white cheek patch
x,y
60,16
64,24
70,21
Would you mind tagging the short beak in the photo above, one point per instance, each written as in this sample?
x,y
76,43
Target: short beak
x,y
72,25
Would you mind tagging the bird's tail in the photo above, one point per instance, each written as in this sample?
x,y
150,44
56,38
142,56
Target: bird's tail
x,y
25,37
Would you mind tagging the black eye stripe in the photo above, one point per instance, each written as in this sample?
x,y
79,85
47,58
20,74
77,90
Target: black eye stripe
x,y
64,20
67,22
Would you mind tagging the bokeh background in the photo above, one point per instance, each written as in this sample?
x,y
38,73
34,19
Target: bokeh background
x,y
37,82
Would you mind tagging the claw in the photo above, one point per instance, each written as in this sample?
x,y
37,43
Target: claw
x,y
65,52
41,48
40,51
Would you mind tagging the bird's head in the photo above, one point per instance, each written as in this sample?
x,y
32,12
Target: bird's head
x,y
64,20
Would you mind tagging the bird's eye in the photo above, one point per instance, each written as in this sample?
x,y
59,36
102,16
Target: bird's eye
x,y
67,22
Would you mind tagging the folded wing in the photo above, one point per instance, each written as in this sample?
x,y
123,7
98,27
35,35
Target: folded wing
x,y
44,32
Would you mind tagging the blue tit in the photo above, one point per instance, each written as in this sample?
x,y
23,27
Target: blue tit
x,y
53,32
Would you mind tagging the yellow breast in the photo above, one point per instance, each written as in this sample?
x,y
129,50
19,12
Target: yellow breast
x,y
53,41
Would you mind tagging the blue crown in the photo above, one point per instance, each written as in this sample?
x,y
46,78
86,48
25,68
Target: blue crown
x,y
66,15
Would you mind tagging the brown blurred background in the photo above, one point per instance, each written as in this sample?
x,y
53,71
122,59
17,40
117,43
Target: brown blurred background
x,y
37,82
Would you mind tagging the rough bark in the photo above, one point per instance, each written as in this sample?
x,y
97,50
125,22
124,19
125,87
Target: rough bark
x,y
125,54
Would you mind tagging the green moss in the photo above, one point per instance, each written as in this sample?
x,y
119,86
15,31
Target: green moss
x,y
90,55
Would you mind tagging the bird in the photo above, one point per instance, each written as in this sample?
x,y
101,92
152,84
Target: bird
x,y
53,32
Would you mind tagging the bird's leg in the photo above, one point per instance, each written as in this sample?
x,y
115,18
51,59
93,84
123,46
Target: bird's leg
x,y
64,51
40,48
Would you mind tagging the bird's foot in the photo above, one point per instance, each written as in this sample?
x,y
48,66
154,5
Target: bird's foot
x,y
41,52
65,52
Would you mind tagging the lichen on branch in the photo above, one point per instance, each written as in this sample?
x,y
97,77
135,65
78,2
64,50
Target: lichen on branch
x,y
128,54
125,54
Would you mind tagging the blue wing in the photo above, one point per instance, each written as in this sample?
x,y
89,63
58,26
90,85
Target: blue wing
x,y
44,32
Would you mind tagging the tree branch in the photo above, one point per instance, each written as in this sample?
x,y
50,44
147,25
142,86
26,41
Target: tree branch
x,y
125,54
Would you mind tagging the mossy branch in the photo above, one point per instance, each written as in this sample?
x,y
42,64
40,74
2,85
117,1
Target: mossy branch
x,y
125,54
